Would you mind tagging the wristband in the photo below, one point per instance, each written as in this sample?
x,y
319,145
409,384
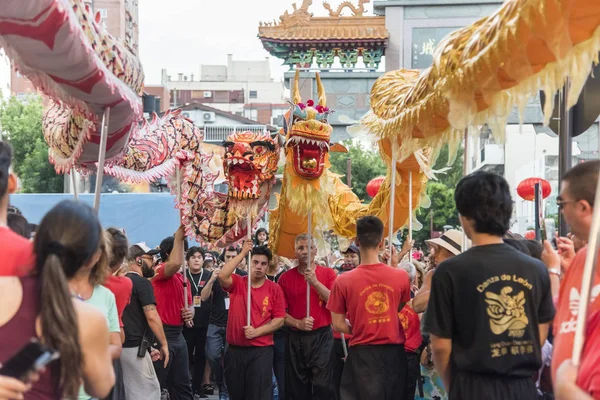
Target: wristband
x,y
554,271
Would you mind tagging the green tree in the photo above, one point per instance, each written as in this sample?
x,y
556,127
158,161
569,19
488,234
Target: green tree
x,y
366,165
21,125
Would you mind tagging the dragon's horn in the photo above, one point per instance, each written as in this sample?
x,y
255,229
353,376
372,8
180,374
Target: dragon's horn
x,y
296,98
321,91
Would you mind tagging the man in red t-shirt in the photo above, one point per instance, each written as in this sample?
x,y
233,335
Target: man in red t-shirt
x,y
576,202
16,252
309,355
249,357
371,295
168,290
582,383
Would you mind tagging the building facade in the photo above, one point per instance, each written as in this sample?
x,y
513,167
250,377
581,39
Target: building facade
x,y
244,88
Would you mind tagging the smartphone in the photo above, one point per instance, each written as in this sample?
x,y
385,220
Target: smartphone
x,y
31,358
550,229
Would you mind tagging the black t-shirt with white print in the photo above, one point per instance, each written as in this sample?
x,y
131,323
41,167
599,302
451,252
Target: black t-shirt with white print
x,y
489,301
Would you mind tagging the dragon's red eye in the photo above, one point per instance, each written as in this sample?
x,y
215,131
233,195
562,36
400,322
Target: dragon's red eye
x,y
259,149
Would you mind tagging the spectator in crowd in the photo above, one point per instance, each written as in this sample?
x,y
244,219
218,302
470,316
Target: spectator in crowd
x,y
535,248
171,306
121,288
141,320
216,344
493,350
195,336
309,352
249,358
576,203
40,306
16,251
87,285
371,297
19,225
351,258
261,237
443,248
411,324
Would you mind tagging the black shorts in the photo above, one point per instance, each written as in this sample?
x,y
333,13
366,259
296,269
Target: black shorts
x,y
374,372
468,386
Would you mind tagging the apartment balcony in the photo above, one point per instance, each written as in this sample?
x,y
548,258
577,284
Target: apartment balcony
x,y
491,158
217,134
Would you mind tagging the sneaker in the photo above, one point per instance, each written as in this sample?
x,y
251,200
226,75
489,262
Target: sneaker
x,y
198,396
223,392
208,389
164,395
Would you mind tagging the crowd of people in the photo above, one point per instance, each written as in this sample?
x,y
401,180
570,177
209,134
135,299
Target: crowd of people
x,y
130,322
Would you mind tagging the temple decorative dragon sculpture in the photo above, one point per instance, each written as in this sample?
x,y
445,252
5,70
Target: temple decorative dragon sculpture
x,y
356,10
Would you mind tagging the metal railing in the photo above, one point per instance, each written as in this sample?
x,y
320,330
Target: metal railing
x,y
220,133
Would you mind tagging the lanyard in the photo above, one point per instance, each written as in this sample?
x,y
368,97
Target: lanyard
x,y
194,282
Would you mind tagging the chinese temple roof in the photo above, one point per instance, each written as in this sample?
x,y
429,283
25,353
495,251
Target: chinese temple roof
x,y
298,33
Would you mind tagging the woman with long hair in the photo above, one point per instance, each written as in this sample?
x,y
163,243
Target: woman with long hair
x,y
42,306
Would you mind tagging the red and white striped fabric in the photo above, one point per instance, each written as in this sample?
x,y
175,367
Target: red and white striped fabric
x,y
58,45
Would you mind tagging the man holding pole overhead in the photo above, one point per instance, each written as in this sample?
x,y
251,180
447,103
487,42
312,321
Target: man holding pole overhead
x,y
371,296
249,358
309,352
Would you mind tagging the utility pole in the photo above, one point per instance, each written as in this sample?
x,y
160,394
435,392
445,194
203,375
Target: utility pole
x,y
564,146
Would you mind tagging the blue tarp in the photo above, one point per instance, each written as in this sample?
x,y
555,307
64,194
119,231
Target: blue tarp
x,y
146,217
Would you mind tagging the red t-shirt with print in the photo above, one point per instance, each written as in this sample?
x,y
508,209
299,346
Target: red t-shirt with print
x,y
293,285
16,254
168,292
371,296
267,304
121,287
588,377
565,320
411,325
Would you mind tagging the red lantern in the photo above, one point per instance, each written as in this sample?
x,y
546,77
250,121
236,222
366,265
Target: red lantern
x,y
374,185
530,235
526,188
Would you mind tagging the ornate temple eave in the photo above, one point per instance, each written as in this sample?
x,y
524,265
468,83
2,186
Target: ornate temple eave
x,y
328,29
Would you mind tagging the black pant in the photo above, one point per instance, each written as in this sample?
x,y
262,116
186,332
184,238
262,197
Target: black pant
x,y
374,372
309,365
176,377
196,344
279,361
249,373
413,373
118,391
468,386
338,365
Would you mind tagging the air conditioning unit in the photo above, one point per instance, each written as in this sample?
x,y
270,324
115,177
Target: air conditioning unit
x,y
209,117
207,94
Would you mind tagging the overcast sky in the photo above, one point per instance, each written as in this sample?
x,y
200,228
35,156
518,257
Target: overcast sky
x,y
180,35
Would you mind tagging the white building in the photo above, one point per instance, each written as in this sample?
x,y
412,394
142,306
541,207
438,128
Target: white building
x,y
529,151
4,76
244,88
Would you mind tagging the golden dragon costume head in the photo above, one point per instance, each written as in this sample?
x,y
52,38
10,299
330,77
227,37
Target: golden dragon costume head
x,y
307,139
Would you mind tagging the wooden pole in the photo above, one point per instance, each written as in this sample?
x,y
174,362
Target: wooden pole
x,y
74,183
310,241
465,240
101,157
410,213
391,212
249,298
